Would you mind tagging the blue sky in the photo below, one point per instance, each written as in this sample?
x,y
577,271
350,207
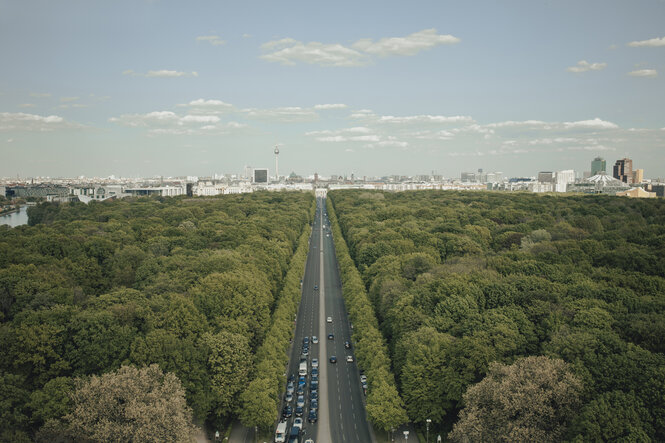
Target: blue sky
x,y
367,87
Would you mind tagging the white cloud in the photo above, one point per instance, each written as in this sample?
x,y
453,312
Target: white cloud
x,y
19,121
288,51
27,105
644,73
283,114
40,94
596,123
425,119
511,123
199,119
396,143
214,40
353,130
653,42
202,106
331,106
405,46
161,73
333,139
68,99
165,73
584,66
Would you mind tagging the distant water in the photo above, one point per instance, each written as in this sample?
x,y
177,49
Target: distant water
x,y
15,218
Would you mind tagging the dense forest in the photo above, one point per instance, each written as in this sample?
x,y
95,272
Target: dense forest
x,y
513,317
160,295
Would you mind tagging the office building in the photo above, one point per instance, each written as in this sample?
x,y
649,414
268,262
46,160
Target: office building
x,y
260,175
598,165
638,175
546,177
623,170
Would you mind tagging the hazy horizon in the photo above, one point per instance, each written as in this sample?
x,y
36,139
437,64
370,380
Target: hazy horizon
x,y
373,88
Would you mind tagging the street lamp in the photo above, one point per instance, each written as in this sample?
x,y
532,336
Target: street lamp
x,y
428,422
406,436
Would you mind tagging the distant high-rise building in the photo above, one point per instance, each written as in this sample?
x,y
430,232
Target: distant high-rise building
x,y
260,175
563,178
467,177
623,170
249,173
546,177
276,151
638,175
598,165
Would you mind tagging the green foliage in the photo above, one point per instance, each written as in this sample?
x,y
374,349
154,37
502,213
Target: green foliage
x,y
385,408
460,280
193,285
531,400
130,405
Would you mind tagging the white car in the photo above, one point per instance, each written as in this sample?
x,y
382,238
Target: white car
x,y
329,319
315,340
297,423
349,358
315,363
363,378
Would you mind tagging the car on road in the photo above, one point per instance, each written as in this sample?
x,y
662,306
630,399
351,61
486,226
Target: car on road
x,y
301,390
314,395
316,287
315,339
349,358
315,372
292,377
305,352
300,401
331,336
297,423
305,340
309,440
333,359
302,380
314,405
315,363
290,387
329,319
299,411
363,378
287,412
347,344
288,397
312,416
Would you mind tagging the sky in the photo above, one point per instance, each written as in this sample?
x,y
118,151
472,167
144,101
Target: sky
x,y
173,88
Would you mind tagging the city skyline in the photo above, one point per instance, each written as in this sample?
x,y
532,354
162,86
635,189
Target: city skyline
x,y
159,88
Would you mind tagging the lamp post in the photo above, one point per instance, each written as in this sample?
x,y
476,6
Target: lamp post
x,y
428,422
406,436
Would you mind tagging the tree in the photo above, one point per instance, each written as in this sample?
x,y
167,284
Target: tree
x,y
533,399
131,405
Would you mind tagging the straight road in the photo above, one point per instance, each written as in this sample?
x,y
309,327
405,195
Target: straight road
x,y
348,419
341,413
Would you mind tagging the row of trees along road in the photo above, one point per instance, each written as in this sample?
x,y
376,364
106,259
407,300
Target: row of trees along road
x,y
189,285
555,302
385,408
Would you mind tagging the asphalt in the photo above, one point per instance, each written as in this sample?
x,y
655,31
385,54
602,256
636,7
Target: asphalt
x,y
341,414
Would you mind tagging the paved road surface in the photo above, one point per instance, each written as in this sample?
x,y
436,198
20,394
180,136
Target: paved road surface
x,y
341,415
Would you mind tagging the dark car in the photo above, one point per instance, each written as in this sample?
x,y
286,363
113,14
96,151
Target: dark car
x,y
312,417
287,412
292,377
314,405
314,395
331,336
333,359
315,372
302,380
301,390
347,345
299,411
316,287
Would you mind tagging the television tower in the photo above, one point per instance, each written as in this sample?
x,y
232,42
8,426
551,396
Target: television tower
x,y
276,163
